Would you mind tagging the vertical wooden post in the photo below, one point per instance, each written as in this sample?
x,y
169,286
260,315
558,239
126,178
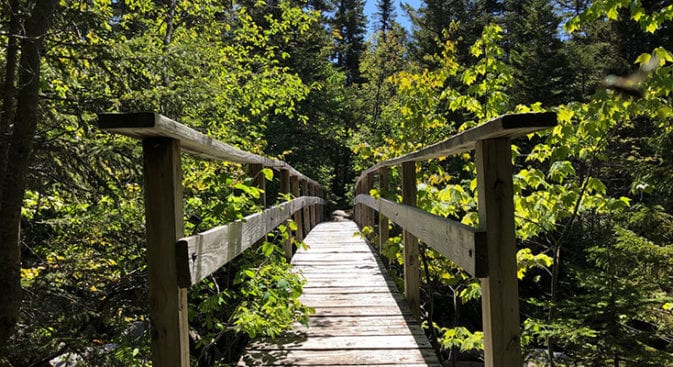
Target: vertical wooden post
x,y
255,171
164,226
285,189
312,210
384,184
412,274
305,211
368,212
360,208
299,233
500,293
321,208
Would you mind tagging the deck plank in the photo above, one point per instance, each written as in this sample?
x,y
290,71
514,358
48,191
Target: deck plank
x,y
361,319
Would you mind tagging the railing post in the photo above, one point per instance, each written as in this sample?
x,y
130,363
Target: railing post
x,y
312,208
357,215
259,181
305,211
299,233
285,189
500,296
368,212
321,208
164,226
384,184
412,274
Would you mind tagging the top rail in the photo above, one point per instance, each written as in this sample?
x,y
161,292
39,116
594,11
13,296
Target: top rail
x,y
148,124
510,126
489,252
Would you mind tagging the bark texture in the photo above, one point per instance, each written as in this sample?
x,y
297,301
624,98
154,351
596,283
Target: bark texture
x,y
18,161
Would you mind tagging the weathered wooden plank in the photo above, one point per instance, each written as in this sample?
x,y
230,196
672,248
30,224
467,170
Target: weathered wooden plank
x,y
361,325
147,124
412,273
510,126
200,255
384,188
285,189
300,342
500,295
164,224
358,312
299,233
460,243
359,357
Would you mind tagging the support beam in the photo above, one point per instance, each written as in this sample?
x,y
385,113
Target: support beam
x,y
412,274
294,185
285,189
500,295
384,188
368,213
306,213
314,208
258,181
164,226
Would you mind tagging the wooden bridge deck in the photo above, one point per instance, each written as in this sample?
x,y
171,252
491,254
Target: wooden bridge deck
x,y
361,318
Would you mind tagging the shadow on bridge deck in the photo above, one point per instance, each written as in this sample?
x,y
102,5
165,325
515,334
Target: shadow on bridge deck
x,y
361,319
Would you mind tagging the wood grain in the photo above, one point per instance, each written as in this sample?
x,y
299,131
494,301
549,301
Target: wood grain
x,y
200,255
361,319
164,224
500,296
147,124
460,243
412,270
510,126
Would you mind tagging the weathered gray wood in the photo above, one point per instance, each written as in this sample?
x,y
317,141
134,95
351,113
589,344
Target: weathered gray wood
x,y
147,124
200,255
357,357
500,296
412,272
299,233
164,225
258,181
344,342
459,243
384,188
303,184
312,208
510,126
285,189
361,319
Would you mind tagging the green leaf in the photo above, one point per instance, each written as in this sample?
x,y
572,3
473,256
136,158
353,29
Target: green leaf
x,y
268,174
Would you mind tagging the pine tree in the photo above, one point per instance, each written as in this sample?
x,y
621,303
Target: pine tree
x,y
349,25
536,52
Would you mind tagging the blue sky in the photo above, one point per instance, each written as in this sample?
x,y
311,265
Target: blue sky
x,y
370,8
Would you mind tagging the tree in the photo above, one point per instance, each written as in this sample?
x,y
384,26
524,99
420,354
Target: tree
x,y
536,52
349,25
17,151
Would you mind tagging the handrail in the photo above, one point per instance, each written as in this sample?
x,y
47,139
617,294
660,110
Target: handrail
x,y
506,126
464,243
202,254
142,125
175,262
488,252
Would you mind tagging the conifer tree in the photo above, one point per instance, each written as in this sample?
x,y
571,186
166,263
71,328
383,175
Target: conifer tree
x,y
349,25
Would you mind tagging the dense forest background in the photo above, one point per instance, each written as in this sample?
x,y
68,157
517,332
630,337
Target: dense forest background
x,y
306,82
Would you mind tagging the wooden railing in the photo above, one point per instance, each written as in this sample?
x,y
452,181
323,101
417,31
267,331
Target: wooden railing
x,y
175,263
488,252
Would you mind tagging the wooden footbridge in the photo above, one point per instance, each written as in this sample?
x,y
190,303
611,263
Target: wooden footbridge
x,y
361,319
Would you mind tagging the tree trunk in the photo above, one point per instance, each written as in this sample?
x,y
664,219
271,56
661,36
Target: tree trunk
x,y
18,160
8,90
